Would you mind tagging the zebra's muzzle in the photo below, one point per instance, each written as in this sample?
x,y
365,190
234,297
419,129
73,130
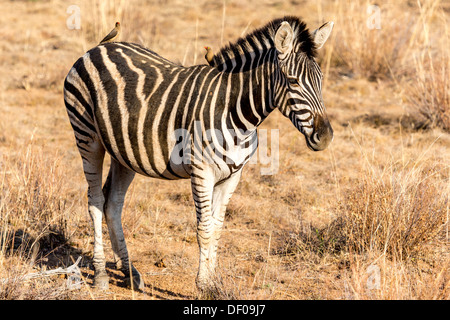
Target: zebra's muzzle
x,y
321,135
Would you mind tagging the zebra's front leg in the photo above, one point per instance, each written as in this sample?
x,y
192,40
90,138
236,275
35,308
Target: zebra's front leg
x,y
202,191
210,203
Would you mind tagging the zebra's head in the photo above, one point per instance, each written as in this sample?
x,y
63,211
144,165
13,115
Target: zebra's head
x,y
301,82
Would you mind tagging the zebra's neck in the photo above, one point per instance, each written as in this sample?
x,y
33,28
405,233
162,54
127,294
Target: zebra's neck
x,y
238,56
251,70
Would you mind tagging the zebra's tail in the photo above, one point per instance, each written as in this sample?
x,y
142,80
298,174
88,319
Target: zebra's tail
x,y
79,108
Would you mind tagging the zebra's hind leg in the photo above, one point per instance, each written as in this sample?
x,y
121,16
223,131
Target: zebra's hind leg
x,y
114,190
92,152
211,208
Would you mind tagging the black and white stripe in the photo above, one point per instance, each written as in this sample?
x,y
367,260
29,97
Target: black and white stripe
x,y
126,100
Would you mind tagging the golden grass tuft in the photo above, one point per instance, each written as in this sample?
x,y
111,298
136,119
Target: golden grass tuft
x,y
31,198
398,214
429,91
35,220
370,40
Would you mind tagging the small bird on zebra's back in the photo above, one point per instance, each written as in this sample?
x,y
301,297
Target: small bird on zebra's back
x,y
112,35
209,56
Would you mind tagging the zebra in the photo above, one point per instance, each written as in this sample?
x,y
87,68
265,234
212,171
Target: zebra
x,y
126,100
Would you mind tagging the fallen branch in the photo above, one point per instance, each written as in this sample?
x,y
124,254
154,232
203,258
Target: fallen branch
x,y
71,270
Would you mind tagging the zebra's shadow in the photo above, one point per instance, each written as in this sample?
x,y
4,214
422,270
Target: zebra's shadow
x,y
165,294
155,292
53,250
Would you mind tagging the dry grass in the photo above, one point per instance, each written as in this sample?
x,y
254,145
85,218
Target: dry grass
x,y
371,40
390,230
429,95
366,219
397,41
398,212
37,222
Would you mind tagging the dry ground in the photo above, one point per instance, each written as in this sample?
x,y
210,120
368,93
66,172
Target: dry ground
x,y
378,196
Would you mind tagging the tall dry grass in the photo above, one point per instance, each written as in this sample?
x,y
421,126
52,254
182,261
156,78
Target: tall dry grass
x,y
35,220
31,197
369,40
405,43
428,90
398,212
376,277
391,223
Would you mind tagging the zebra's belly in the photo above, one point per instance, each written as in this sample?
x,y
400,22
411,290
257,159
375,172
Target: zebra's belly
x,y
169,171
146,155
171,164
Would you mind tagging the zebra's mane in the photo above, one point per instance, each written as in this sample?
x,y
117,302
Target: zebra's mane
x,y
303,40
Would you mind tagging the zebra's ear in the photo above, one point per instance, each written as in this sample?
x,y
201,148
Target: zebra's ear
x,y
321,35
284,39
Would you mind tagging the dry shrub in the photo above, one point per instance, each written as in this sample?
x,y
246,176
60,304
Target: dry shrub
x,y
33,221
397,214
429,95
393,41
372,277
393,221
31,197
365,45
428,88
13,286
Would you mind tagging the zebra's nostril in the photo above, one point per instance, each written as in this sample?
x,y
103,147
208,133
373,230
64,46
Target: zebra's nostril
x,y
317,137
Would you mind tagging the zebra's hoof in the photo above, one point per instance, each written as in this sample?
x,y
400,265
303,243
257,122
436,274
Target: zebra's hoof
x,y
138,283
101,282
207,289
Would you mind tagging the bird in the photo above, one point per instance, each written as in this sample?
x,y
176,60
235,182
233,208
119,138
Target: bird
x,y
209,56
112,35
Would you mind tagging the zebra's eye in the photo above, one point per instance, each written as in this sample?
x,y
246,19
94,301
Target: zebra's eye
x,y
293,81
